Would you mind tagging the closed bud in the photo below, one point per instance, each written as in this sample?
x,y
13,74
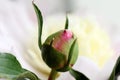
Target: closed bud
x,y
60,50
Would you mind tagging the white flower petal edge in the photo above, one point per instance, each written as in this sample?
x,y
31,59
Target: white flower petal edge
x,y
15,29
81,29
106,71
87,67
21,31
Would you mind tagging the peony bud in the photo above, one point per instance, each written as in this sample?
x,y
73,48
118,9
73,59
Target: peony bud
x,y
60,50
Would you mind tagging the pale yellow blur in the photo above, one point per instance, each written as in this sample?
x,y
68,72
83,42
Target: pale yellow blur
x,y
94,42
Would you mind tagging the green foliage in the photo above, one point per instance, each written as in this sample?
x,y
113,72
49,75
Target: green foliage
x,y
66,23
116,70
40,24
10,68
77,75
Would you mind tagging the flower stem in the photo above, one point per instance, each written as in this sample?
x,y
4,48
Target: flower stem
x,y
52,75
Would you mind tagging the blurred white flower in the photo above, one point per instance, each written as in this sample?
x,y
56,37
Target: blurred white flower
x,y
18,34
94,45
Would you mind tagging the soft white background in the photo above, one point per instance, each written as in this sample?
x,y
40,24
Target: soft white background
x,y
16,17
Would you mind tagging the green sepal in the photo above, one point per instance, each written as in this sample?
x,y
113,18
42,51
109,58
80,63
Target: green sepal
x,y
78,75
40,23
64,69
52,36
72,57
66,23
73,54
10,68
116,70
52,57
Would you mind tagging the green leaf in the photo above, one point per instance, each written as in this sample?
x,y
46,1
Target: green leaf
x,y
40,23
77,75
116,70
66,23
27,75
11,69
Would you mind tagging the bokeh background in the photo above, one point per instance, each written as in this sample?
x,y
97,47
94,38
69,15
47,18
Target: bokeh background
x,y
17,19
106,11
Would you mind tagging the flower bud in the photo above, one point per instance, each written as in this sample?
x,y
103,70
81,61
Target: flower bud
x,y
60,50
